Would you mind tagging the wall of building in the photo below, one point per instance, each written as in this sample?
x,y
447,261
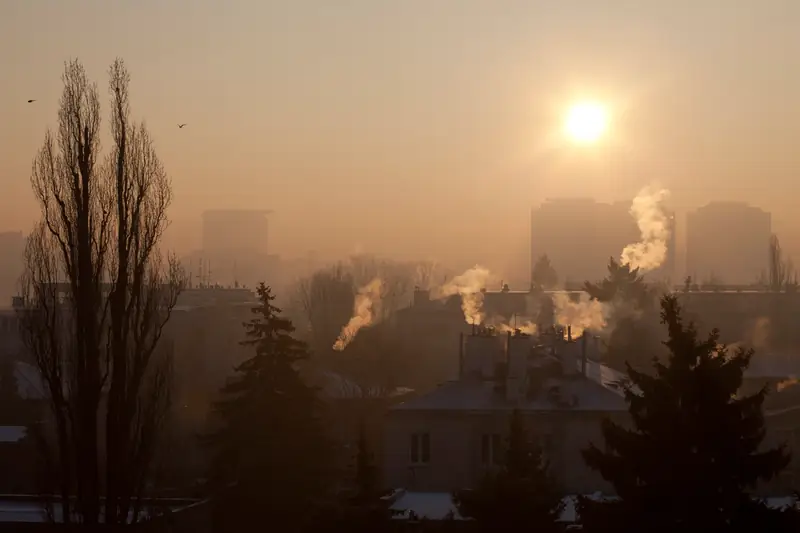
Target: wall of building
x,y
579,235
456,440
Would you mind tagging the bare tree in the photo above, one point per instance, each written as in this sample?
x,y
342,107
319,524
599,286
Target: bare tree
x,y
326,300
96,336
782,275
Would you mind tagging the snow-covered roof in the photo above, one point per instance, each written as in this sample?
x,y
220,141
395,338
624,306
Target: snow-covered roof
x,y
430,505
438,505
12,433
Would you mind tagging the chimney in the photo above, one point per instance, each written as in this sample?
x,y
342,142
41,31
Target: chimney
x,y
461,355
518,348
569,354
421,296
583,352
481,352
569,333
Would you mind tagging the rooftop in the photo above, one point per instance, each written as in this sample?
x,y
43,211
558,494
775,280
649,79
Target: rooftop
x,y
438,505
482,396
12,433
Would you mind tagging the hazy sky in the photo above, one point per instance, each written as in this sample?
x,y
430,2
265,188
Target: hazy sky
x,y
423,127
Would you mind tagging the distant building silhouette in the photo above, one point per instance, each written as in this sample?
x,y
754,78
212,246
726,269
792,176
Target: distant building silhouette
x,y
727,242
235,248
580,234
12,248
231,230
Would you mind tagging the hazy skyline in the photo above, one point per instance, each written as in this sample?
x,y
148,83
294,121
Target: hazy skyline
x,y
420,128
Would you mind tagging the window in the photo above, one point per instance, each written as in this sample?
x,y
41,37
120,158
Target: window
x,y
491,449
420,448
546,443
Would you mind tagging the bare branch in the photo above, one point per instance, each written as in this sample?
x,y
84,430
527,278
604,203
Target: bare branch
x,y
97,336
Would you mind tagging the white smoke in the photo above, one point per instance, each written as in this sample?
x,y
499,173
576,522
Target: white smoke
x,y
366,302
654,225
527,327
468,285
785,384
585,313
517,324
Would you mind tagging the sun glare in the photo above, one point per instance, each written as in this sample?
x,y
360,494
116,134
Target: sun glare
x,y
586,122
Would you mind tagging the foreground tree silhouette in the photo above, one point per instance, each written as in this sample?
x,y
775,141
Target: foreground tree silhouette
x,y
692,455
97,297
363,508
271,450
521,495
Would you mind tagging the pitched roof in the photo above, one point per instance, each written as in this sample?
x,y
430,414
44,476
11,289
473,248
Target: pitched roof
x,y
586,394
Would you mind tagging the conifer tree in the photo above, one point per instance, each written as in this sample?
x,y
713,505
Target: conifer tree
x,y
623,284
366,475
693,453
271,451
521,495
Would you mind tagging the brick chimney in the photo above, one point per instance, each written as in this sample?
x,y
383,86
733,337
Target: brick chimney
x,y
518,351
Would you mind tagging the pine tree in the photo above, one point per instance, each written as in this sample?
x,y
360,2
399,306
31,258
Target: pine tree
x,y
693,453
366,475
364,509
623,284
522,495
271,451
634,315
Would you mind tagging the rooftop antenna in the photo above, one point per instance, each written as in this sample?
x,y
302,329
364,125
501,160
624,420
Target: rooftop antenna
x,y
208,274
200,274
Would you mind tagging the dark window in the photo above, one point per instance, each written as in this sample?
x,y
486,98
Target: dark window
x,y
420,448
547,443
491,449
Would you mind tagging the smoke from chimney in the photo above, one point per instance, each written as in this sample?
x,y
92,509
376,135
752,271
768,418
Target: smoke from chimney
x,y
468,285
367,299
648,210
785,384
586,313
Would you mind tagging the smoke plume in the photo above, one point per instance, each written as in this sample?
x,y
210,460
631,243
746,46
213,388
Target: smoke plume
x,y
785,384
527,327
367,299
586,313
517,324
648,210
468,285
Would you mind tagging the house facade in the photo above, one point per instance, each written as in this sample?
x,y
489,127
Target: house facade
x,y
446,440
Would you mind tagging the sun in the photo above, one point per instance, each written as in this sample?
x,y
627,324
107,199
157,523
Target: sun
x,y
586,122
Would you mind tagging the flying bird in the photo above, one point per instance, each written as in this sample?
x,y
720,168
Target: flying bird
x,y
181,125
31,101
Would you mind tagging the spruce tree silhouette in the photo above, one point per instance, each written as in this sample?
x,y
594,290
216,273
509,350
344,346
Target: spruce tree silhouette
x,y
693,454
